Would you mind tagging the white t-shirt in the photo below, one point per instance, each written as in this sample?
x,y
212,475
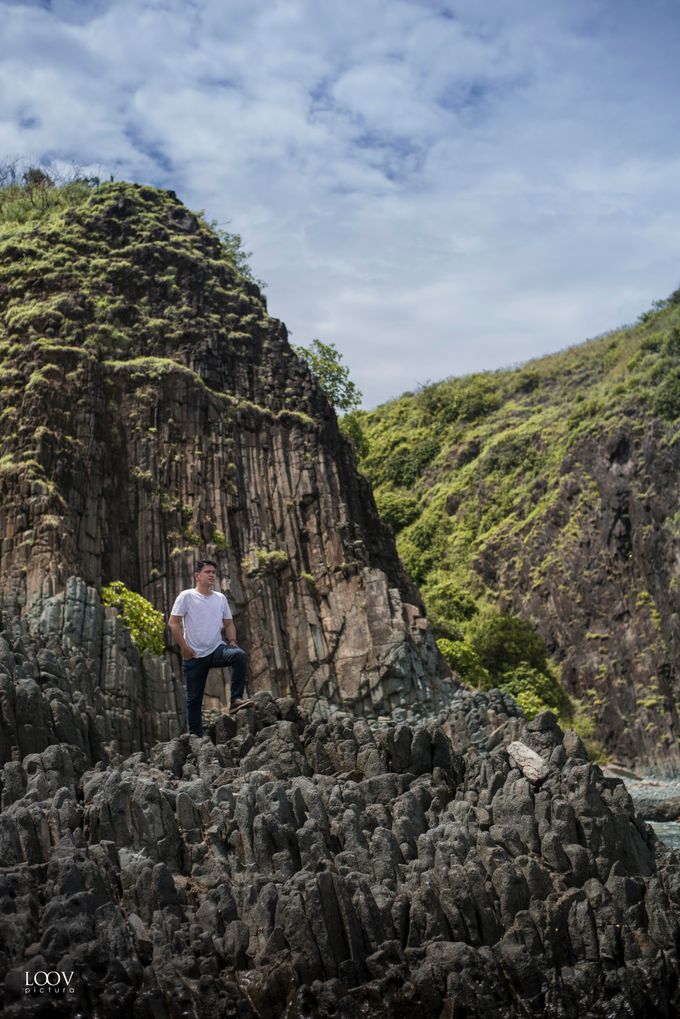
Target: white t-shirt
x,y
202,616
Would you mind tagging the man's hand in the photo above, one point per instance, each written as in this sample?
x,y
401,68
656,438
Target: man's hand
x,y
177,631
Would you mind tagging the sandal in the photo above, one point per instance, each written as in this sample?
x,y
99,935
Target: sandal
x,y
239,705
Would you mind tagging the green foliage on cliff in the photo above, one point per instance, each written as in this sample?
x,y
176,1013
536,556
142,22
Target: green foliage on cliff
x,y
30,194
325,364
486,481
120,270
145,623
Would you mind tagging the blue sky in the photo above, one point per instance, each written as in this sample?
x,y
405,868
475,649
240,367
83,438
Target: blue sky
x,y
436,187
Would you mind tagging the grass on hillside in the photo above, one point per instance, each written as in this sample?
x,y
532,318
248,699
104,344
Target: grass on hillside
x,y
462,465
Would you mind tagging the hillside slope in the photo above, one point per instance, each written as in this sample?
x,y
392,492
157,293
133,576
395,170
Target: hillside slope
x,y
551,491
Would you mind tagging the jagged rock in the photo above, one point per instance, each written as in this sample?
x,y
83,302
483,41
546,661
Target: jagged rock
x,y
185,874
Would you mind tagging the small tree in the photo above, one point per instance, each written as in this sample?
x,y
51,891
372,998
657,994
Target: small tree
x,y
325,364
36,177
232,246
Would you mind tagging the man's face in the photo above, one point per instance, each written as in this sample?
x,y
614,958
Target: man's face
x,y
206,576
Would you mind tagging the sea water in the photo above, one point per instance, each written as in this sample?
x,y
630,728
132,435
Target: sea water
x,y
667,832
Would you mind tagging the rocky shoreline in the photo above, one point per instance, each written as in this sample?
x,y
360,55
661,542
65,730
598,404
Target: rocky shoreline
x,y
655,799
281,867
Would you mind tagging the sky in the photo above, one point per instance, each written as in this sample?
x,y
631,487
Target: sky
x,y
435,187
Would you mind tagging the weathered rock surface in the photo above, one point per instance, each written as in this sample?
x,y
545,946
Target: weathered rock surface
x,y
335,868
608,604
152,411
73,676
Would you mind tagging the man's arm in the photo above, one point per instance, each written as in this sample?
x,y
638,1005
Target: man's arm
x,y
177,631
229,630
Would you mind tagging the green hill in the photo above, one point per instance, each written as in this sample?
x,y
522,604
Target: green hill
x,y
550,492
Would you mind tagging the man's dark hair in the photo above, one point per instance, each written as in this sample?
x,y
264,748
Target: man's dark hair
x,y
200,563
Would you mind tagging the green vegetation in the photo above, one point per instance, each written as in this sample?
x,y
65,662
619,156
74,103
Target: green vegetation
x,y
234,252
30,194
325,364
219,540
264,560
476,474
145,623
506,643
397,508
352,427
495,650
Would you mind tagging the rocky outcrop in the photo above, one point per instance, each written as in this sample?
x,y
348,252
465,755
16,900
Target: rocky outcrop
x,y
284,867
73,676
601,581
152,411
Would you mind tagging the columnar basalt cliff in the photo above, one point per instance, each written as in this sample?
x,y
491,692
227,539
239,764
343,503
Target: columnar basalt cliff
x,y
152,408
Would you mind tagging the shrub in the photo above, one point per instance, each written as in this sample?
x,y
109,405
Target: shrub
x,y
219,540
463,659
418,563
504,642
352,427
667,397
263,560
145,623
437,402
672,343
512,450
530,703
478,396
534,690
407,462
398,509
447,604
429,532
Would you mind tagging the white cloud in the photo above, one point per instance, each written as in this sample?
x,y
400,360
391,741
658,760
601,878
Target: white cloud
x,y
436,189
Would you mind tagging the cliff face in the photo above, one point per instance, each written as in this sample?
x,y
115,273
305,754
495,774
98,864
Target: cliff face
x,y
551,491
151,411
601,582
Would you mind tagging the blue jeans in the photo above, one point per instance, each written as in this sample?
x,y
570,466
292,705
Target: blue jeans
x,y
195,671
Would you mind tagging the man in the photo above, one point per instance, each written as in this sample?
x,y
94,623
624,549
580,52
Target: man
x,y
196,622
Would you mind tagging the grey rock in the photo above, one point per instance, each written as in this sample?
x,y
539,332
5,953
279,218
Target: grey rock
x,y
528,761
346,867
